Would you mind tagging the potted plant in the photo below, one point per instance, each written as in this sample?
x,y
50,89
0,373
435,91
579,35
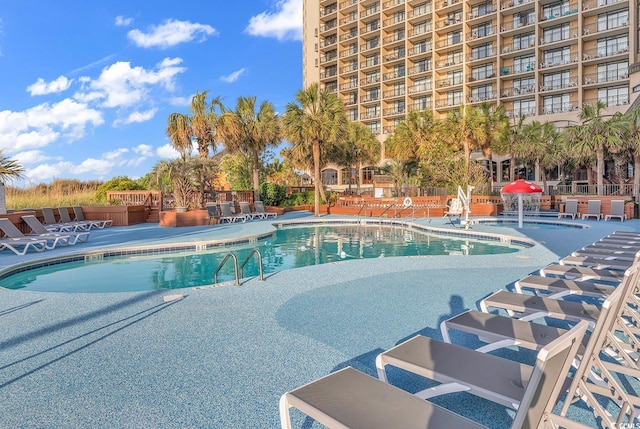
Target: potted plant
x,y
177,175
182,193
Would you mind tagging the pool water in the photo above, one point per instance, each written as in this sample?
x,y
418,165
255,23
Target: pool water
x,y
287,248
530,224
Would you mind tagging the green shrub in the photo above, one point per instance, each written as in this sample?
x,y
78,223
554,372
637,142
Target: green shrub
x,y
120,183
272,194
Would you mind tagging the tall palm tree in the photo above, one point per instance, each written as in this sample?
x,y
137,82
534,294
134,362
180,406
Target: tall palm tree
x,y
495,125
465,127
543,147
315,118
594,135
633,137
358,145
199,128
251,132
512,144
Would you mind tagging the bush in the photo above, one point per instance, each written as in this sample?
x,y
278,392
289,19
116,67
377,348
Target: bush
x,y
272,194
121,183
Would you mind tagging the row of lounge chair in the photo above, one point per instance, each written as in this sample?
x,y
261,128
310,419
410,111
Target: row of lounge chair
x,y
225,212
51,234
594,210
602,344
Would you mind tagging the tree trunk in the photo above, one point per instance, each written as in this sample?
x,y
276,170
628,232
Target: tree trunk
x,y
489,155
467,159
315,149
358,173
600,170
636,177
256,176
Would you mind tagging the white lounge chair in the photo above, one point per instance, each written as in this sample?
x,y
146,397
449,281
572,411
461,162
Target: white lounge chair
x,y
79,214
570,209
262,212
351,399
65,218
617,211
226,215
20,246
52,224
454,209
245,209
51,239
593,210
41,231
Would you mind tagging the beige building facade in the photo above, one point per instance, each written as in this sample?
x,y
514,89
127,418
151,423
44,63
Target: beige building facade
x,y
540,59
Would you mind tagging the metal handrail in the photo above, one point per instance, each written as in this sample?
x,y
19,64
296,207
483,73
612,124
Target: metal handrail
x,y
235,267
387,209
259,255
361,208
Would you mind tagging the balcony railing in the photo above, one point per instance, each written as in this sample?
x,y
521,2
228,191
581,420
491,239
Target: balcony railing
x,y
369,63
446,3
394,56
573,58
480,56
517,113
369,28
512,3
370,80
515,23
443,83
420,106
485,11
348,36
478,78
570,10
370,97
347,3
479,98
349,68
517,91
448,42
392,3
447,22
396,19
420,49
370,11
420,88
560,84
395,111
328,10
394,93
328,26
328,73
596,27
420,11
395,37
369,115
592,4
449,62
348,52
603,77
609,101
417,69
348,85
589,54
559,108
422,29
474,34
394,75
328,58
444,103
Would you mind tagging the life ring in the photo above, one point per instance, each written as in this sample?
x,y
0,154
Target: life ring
x,y
407,202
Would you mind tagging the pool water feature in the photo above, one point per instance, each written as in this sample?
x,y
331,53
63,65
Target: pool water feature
x,y
287,248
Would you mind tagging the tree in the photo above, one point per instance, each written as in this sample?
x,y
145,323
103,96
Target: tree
x,y
358,145
251,132
118,183
512,144
594,135
9,169
495,126
464,127
315,118
632,119
199,128
411,136
542,147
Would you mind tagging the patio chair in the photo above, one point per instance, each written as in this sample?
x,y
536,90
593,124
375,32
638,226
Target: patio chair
x,y
65,218
52,239
617,211
262,212
575,272
52,224
454,209
570,209
593,376
593,210
350,399
20,246
212,211
79,214
245,209
41,231
226,215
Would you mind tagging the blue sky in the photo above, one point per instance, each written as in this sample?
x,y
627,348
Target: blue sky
x,y
86,86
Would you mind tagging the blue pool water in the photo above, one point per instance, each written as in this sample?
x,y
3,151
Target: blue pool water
x,y
287,248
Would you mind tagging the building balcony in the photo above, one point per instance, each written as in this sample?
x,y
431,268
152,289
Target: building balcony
x,y
420,11
393,93
508,4
392,3
597,53
395,111
609,101
560,84
370,11
604,77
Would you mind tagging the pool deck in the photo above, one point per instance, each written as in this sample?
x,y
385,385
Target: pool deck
x,y
221,357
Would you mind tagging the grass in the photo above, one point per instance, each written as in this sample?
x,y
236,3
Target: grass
x,y
35,198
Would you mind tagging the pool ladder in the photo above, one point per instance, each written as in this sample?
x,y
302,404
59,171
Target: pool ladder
x,y
239,269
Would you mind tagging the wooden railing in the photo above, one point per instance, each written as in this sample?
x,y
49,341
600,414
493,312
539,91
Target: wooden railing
x,y
151,199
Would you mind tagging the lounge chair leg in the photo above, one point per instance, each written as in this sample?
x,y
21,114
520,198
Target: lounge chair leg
x,y
285,419
382,374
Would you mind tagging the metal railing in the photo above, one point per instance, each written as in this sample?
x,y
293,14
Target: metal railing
x,y
239,269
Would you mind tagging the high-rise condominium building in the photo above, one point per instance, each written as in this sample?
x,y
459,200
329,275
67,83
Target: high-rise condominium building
x,y
542,59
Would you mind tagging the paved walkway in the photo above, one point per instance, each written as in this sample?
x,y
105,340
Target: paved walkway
x,y
221,357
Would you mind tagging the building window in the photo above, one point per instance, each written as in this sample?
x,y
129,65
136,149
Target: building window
x,y
556,104
613,71
484,71
556,57
555,34
524,41
613,45
616,96
607,21
482,51
524,108
481,93
454,98
522,64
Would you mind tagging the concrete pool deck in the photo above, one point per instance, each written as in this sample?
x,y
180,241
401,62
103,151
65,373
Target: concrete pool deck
x,y
221,357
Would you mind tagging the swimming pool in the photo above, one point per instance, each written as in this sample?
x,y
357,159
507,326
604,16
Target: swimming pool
x,y
289,247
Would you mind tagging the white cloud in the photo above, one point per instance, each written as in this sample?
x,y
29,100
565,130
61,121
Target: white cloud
x,y
167,151
121,85
233,76
170,33
136,117
144,150
180,101
42,88
283,23
40,125
31,157
122,21
92,65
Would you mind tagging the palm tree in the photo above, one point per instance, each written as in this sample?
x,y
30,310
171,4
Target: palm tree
x,y
411,136
464,127
542,147
595,134
199,128
358,146
512,144
9,170
495,125
250,132
633,137
315,118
